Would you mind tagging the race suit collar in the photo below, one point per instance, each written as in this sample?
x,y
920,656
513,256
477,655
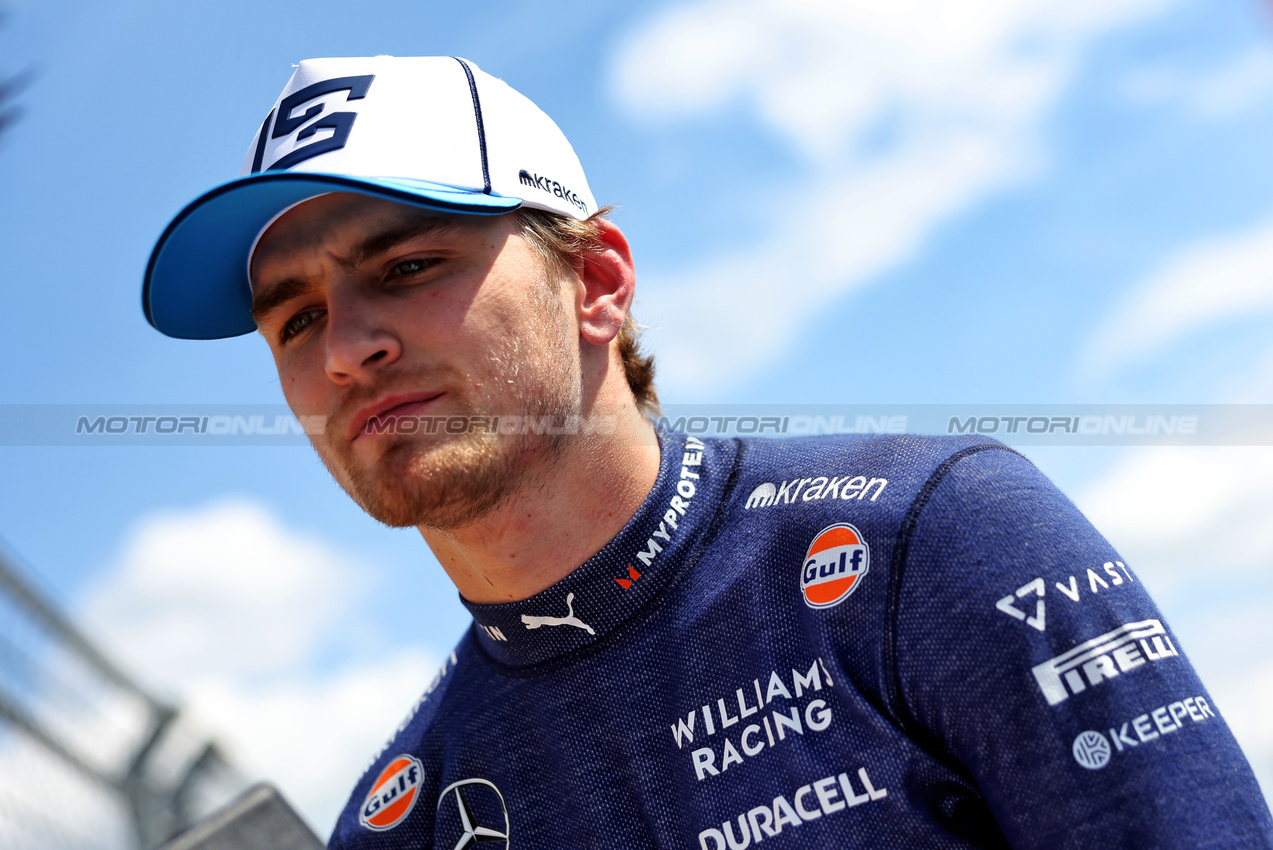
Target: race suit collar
x,y
610,592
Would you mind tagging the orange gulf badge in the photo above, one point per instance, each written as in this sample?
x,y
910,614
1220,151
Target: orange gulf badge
x,y
834,566
393,794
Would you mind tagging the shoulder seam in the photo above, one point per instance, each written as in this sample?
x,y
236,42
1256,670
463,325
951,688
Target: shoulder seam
x,y
894,697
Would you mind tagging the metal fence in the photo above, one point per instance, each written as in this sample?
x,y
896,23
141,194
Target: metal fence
x,y
88,757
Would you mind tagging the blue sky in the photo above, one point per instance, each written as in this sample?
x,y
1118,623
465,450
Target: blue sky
x,y
829,202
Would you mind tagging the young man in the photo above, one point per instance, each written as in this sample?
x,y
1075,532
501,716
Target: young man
x,y
837,642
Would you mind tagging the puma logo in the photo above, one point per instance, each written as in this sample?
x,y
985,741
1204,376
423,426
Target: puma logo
x,y
569,620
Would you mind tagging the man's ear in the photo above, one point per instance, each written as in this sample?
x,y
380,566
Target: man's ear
x,y
607,283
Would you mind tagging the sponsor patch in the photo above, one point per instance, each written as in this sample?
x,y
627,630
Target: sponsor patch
x,y
677,507
775,713
633,575
550,186
1092,749
807,803
1100,659
393,795
493,632
532,622
472,812
845,487
1017,605
834,566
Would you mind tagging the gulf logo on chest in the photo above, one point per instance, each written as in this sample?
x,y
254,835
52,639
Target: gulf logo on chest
x,y
393,794
834,566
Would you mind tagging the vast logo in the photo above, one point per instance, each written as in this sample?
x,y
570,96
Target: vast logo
x,y
837,560
1102,658
472,811
1072,591
393,794
304,125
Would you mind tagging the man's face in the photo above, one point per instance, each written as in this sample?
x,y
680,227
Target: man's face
x,y
383,316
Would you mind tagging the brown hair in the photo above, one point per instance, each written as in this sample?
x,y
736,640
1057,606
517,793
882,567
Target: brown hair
x,y
566,243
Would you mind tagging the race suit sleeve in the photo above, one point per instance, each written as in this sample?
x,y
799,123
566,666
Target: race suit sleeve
x,y
1029,654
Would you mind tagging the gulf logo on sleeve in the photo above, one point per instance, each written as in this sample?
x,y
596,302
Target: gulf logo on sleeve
x,y
393,794
837,560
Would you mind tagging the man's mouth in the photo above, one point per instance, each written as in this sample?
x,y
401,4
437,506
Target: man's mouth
x,y
384,414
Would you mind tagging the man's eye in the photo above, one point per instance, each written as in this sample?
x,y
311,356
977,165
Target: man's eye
x,y
297,324
410,267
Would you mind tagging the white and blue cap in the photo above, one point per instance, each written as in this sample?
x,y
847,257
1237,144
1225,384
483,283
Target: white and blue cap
x,y
432,131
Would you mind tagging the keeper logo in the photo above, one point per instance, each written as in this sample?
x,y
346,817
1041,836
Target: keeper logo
x,y
1092,749
1103,658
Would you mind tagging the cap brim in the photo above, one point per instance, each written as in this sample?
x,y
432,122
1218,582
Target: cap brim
x,y
196,283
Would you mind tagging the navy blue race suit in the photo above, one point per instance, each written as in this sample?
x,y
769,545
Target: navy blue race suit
x,y
878,641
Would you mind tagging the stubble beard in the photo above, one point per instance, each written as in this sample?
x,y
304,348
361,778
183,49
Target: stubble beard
x,y
449,481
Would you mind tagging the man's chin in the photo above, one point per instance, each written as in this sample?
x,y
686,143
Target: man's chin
x,y
425,482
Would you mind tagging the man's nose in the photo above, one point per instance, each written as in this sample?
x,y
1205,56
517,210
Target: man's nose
x,y
359,343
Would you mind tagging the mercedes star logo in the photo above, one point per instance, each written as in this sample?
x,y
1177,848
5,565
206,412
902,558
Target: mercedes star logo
x,y
472,832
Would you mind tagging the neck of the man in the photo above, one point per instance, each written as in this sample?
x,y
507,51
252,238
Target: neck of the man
x,y
569,509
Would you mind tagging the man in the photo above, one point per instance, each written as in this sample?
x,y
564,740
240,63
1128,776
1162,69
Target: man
x,y
837,642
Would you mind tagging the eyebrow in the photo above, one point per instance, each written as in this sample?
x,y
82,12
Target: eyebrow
x,y
387,240
269,299
285,290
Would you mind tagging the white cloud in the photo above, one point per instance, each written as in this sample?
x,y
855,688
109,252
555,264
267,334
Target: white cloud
x,y
961,90
1172,499
236,613
232,571
1203,285
823,73
1255,385
1243,82
1194,525
719,321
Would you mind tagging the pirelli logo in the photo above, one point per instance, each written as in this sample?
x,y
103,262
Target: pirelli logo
x,y
1103,658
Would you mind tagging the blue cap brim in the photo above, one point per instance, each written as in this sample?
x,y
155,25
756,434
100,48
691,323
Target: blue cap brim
x,y
197,284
